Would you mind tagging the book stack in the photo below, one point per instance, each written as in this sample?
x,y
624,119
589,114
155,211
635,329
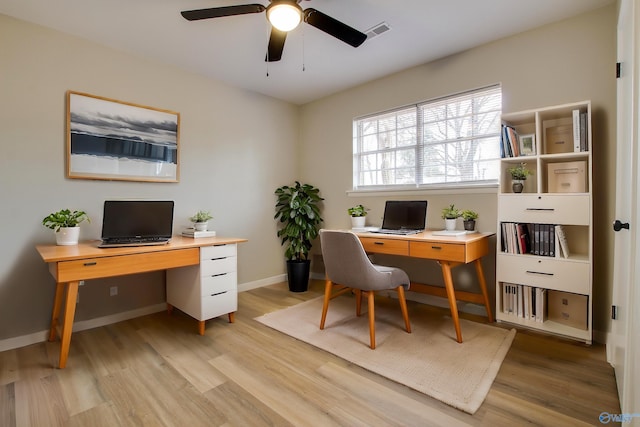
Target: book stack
x,y
524,302
509,142
190,232
533,238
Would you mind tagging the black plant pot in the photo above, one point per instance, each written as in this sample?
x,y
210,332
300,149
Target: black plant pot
x,y
298,275
469,224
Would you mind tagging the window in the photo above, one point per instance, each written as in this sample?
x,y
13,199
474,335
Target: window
x,y
452,140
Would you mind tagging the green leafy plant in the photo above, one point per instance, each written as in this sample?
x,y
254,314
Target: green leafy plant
x,y
519,172
357,211
64,218
201,216
298,216
468,215
450,212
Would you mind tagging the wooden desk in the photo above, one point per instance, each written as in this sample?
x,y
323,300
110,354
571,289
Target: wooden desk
x,y
71,264
449,252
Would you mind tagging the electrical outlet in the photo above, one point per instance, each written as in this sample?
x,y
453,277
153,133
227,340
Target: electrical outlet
x,y
113,291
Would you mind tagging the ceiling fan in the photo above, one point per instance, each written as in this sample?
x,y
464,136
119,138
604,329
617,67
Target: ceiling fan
x,y
284,16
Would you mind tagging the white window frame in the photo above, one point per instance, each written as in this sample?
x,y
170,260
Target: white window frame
x,y
389,135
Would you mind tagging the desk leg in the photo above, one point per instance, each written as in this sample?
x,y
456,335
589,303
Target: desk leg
x,y
483,288
67,321
451,296
55,314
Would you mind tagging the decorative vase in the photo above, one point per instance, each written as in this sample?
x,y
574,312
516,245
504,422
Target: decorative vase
x,y
469,225
67,236
450,224
200,226
517,185
358,221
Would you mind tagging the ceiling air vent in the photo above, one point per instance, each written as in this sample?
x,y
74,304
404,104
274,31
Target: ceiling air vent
x,y
377,30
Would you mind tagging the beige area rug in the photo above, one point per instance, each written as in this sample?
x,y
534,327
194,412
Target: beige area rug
x,y
428,360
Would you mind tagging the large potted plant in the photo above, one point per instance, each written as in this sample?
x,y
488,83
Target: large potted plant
x,y
65,223
298,216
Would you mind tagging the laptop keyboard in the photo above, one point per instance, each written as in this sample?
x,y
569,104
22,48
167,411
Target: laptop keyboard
x,y
399,232
134,241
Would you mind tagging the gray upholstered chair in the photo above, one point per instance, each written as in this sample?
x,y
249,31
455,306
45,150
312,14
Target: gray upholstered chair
x,y
348,268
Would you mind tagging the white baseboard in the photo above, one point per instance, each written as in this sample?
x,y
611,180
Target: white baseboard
x,y
37,337
262,282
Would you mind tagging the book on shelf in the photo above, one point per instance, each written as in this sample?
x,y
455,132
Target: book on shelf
x,y
562,242
190,232
579,131
525,302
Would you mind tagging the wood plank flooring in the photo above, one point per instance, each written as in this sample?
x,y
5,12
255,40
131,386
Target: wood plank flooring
x,y
157,371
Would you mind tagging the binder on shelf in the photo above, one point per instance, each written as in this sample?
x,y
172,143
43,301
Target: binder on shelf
x,y
576,131
562,240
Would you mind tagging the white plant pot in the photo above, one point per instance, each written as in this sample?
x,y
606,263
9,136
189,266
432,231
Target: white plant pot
x,y
200,226
450,224
358,221
67,236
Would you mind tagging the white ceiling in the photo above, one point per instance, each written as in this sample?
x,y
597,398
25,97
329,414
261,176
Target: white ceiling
x,y
232,49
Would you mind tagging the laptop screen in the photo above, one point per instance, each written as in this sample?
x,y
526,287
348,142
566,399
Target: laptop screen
x,y
405,215
137,218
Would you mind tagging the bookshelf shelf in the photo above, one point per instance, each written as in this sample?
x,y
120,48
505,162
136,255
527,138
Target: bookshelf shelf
x,y
551,218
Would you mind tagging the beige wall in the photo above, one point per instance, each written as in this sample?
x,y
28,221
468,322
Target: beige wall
x,y
229,165
569,61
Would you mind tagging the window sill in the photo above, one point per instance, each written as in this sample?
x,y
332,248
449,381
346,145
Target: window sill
x,y
432,190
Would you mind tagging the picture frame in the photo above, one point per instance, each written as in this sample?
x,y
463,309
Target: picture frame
x,y
114,140
527,144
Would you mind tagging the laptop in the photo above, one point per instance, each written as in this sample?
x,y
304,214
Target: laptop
x,y
404,217
136,223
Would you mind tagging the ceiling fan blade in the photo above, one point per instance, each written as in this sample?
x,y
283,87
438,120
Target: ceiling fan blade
x,y
218,12
334,27
276,45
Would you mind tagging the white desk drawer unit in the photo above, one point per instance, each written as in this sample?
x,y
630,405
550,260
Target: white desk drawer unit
x,y
207,290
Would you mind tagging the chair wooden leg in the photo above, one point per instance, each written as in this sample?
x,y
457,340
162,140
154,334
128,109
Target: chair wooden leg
x,y
372,319
358,293
403,307
327,297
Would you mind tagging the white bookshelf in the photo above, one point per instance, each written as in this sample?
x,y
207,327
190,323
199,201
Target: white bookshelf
x,y
545,200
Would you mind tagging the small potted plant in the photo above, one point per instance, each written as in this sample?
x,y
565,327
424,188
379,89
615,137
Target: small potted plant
x,y
469,219
450,214
518,174
358,216
65,223
200,220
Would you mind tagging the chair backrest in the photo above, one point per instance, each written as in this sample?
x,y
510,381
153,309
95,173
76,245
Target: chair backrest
x,y
346,262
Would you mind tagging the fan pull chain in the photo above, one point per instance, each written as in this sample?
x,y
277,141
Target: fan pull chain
x,y
303,66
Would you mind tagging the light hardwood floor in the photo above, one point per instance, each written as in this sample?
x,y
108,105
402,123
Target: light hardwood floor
x,y
157,371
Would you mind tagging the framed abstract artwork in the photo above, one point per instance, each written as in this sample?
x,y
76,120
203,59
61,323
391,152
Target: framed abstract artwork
x,y
114,140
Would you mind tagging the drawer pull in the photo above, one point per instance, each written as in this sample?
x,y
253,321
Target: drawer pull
x,y
219,293
378,243
216,259
219,274
540,209
89,264
540,273
436,247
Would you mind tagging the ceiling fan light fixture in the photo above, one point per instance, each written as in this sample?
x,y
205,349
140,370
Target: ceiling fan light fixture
x,y
285,16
